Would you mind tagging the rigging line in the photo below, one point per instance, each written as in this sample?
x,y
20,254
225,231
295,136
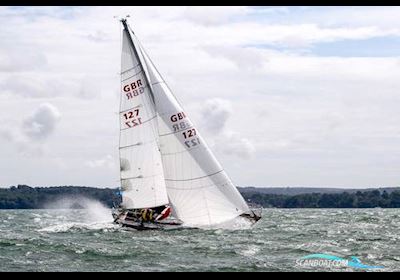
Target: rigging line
x,y
129,69
138,144
120,100
184,151
180,130
134,107
217,185
159,74
140,177
138,57
156,83
141,123
145,68
162,79
191,189
181,180
128,146
132,76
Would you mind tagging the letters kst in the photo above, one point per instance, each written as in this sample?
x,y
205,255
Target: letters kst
x,y
133,89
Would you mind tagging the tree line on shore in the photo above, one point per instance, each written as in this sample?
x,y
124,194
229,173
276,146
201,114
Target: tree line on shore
x,y
25,197
364,199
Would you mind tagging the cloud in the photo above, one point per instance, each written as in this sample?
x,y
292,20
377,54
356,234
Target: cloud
x,y
210,16
105,162
17,59
232,143
323,120
42,123
39,86
21,143
99,36
243,58
32,86
90,87
214,115
6,134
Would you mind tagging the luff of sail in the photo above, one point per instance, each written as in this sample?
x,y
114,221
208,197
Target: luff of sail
x,y
198,188
142,175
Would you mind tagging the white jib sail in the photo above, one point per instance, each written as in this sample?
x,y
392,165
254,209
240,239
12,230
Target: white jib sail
x,y
142,175
199,190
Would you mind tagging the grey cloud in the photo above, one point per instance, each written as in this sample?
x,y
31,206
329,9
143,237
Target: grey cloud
x,y
23,146
6,134
234,144
215,114
42,123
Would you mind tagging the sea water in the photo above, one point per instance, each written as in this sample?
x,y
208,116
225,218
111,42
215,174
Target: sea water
x,y
87,240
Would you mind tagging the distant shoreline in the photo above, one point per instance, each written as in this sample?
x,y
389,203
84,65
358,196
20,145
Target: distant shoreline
x,y
26,197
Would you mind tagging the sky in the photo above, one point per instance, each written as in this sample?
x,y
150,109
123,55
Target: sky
x,y
284,96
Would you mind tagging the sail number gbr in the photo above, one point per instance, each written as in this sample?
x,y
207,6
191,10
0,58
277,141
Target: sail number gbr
x,y
132,119
189,135
133,89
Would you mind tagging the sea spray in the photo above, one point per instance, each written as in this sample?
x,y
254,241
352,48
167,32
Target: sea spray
x,y
78,213
95,210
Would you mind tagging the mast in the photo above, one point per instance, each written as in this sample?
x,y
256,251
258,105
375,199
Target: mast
x,y
141,171
126,29
170,149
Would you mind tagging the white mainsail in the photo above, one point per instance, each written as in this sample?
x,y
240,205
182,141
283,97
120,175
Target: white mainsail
x,y
142,175
198,188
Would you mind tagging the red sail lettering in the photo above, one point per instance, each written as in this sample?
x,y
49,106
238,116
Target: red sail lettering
x,y
126,88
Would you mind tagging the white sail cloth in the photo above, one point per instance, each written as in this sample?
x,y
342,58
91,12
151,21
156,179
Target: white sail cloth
x,y
142,175
198,188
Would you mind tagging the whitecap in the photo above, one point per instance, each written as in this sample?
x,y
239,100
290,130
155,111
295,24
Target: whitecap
x,y
250,251
80,251
65,227
238,223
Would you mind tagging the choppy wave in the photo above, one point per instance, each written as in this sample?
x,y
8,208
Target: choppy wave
x,y
70,227
87,240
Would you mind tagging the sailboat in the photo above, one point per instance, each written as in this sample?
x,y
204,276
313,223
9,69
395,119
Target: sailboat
x,y
169,176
